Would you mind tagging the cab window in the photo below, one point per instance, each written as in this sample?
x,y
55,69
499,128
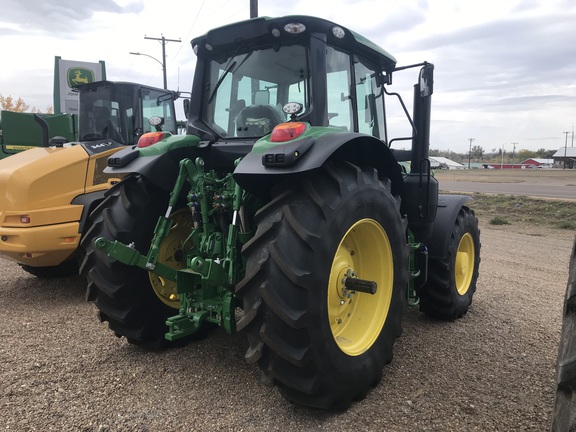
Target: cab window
x,y
338,81
370,101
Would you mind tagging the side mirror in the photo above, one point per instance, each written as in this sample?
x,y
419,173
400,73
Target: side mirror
x,y
58,141
426,80
186,105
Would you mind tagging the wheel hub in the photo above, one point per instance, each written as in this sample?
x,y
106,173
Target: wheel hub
x,y
464,266
171,254
363,260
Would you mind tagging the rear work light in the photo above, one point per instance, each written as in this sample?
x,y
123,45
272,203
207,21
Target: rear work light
x,y
150,138
287,131
295,28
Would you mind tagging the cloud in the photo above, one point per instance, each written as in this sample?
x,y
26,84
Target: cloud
x,y
513,62
59,16
7,32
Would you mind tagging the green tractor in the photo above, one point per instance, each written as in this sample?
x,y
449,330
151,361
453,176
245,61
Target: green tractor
x,y
284,213
47,192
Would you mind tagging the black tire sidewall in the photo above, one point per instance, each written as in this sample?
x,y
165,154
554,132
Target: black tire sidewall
x,y
128,214
439,297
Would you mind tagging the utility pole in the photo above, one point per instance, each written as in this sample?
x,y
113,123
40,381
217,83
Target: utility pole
x,y
513,151
565,147
164,41
502,157
470,151
253,8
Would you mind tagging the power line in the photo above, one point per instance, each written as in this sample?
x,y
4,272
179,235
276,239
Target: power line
x,y
163,41
191,27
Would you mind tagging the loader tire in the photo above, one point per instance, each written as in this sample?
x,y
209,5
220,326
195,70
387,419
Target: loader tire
x,y
564,415
67,268
324,346
124,295
447,294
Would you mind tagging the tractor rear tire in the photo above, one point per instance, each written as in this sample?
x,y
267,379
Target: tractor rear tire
x,y
323,344
447,294
124,294
564,415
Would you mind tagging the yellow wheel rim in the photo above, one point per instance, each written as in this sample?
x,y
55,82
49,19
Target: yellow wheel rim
x,y
172,255
357,318
464,267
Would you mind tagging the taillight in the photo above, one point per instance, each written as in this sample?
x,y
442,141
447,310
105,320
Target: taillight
x,y
287,131
150,138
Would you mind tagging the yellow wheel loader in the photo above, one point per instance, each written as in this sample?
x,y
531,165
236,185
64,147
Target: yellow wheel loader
x,y
47,193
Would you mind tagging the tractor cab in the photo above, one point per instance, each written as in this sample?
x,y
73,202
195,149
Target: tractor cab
x,y
121,111
250,71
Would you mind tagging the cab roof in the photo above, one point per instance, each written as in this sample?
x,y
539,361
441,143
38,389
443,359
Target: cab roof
x,y
258,31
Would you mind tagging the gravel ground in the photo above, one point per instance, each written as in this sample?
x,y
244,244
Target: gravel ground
x,y
493,370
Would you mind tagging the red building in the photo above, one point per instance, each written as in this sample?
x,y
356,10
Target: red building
x,y
539,163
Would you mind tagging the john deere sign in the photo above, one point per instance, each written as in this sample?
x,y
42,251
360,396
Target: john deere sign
x,y
67,75
77,75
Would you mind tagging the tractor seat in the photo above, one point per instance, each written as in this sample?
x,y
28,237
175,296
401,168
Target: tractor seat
x,y
257,120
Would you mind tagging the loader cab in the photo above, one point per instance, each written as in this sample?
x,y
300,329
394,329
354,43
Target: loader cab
x,y
247,72
121,111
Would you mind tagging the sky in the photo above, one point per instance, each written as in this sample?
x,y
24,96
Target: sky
x,y
505,71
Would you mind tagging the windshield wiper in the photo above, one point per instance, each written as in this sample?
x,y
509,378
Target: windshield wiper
x,y
224,75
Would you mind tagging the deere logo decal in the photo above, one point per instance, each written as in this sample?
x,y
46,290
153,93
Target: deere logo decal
x,y
79,75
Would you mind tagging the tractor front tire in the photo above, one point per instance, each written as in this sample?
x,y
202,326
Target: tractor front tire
x,y
447,294
321,342
124,294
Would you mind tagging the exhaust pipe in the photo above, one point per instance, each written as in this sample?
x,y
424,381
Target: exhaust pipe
x,y
44,126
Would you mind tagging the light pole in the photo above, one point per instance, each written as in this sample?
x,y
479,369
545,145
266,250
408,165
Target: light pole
x,y
565,146
161,64
513,152
502,155
164,41
470,151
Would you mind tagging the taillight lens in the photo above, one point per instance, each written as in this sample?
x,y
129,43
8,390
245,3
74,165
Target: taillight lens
x,y
150,138
287,131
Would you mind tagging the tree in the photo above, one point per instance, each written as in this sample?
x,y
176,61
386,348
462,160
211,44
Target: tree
x,y
545,154
477,152
7,103
49,110
524,154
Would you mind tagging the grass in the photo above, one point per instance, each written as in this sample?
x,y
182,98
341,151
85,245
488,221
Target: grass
x,y
507,209
499,220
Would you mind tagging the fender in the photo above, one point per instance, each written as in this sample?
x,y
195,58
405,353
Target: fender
x,y
360,149
159,163
160,169
89,202
448,208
